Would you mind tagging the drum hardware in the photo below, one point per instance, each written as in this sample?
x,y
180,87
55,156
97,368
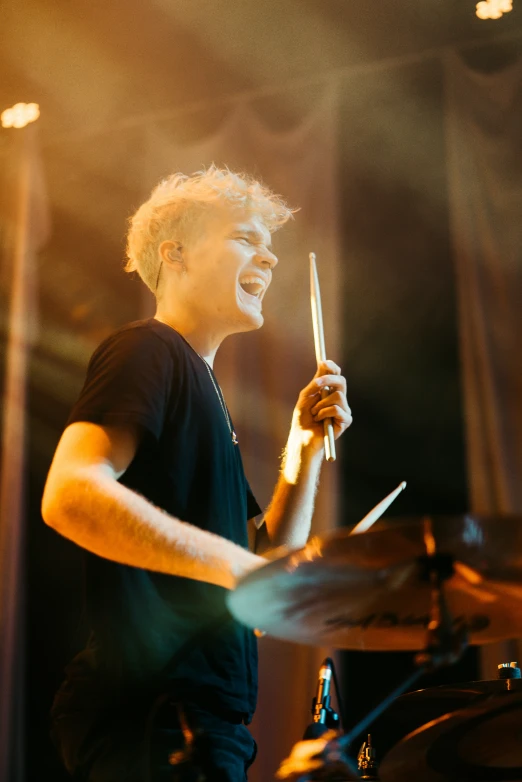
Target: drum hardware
x,y
367,760
323,756
446,640
424,585
508,671
323,715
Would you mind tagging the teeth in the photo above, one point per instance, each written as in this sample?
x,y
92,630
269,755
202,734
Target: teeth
x,y
253,285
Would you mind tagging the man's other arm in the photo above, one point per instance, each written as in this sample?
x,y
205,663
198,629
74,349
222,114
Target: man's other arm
x,y
288,518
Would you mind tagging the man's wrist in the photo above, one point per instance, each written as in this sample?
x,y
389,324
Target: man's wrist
x,y
244,564
302,452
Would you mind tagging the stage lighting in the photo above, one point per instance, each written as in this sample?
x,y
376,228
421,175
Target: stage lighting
x,y
493,9
20,115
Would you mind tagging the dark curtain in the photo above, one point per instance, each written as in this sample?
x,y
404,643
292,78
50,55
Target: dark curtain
x,y
484,124
399,330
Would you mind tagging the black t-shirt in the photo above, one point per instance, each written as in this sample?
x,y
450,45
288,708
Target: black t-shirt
x,y
152,631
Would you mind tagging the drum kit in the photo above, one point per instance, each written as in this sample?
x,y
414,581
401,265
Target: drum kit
x,y
431,585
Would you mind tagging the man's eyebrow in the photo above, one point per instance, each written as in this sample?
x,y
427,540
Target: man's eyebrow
x,y
257,235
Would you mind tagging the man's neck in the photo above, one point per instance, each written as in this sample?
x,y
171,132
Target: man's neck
x,y
201,339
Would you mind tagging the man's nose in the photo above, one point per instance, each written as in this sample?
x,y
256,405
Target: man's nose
x,y
266,258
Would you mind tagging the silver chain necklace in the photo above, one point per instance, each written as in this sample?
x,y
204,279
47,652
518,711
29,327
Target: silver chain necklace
x,y
221,398
217,389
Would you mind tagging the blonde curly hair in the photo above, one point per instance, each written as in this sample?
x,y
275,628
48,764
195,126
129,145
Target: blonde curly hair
x,y
178,201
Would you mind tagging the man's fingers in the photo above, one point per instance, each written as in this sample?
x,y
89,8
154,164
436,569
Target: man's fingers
x,y
338,413
337,398
337,382
328,367
330,381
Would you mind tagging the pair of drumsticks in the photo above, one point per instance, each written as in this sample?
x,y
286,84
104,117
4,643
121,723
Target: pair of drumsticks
x,y
329,442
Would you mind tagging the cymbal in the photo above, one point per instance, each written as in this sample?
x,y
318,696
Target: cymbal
x,y
477,743
369,592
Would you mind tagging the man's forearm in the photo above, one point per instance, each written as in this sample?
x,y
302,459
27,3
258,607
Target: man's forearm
x,y
114,522
289,515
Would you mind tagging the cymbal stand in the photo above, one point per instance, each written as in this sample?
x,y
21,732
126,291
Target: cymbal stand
x,y
445,640
445,643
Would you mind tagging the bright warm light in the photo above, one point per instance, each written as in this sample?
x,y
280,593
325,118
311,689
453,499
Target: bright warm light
x,y
20,115
493,9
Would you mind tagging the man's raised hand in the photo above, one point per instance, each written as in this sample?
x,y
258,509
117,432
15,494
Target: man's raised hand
x,y
311,410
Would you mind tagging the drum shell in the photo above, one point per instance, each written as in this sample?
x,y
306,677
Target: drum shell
x,y
478,742
415,709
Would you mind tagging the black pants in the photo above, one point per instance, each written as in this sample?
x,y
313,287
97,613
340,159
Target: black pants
x,y
117,745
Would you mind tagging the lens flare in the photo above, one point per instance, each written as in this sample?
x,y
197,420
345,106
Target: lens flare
x,y
493,9
20,115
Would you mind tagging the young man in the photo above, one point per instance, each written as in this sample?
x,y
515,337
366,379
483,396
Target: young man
x,y
148,479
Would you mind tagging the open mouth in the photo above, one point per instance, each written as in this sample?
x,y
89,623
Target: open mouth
x,y
253,286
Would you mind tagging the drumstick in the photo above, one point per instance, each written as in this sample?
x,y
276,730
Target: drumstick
x,y
377,512
320,352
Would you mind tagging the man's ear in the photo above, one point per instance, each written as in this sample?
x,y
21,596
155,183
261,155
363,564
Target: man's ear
x,y
171,253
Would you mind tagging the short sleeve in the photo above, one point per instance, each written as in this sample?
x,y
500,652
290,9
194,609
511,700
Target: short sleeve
x,y
129,380
253,508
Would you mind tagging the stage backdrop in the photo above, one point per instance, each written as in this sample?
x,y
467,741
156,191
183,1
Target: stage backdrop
x,y
262,373
484,141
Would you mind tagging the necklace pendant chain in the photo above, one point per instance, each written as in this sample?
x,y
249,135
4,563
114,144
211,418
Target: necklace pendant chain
x,y
221,398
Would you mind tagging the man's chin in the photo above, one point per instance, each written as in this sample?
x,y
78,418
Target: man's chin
x,y
249,322
254,322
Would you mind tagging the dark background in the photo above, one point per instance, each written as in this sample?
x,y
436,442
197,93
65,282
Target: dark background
x,y
97,70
